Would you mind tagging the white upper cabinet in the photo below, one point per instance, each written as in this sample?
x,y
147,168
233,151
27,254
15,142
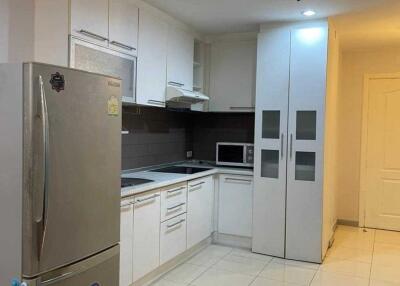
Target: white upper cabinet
x,y
180,58
233,74
124,21
152,60
89,20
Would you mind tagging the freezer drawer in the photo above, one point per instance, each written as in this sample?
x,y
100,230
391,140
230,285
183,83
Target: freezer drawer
x,y
99,270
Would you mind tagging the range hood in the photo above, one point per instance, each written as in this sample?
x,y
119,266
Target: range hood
x,y
180,95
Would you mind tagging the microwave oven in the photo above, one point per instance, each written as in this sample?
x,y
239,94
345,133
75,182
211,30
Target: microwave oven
x,y
235,154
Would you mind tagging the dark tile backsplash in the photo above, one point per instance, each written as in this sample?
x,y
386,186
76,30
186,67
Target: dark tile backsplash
x,y
159,136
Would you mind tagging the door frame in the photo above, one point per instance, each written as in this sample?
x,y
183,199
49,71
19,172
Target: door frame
x,y
364,136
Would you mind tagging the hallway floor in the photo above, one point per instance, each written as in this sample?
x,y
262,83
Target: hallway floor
x,y
357,258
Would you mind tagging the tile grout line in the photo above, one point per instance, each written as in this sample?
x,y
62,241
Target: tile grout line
x,y
372,259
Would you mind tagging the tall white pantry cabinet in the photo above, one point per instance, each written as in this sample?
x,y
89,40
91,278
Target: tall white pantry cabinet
x,y
289,139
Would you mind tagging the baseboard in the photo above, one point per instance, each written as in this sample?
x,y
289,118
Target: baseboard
x,y
168,266
232,240
347,222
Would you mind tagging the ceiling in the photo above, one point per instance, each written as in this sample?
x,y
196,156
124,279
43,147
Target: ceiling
x,y
370,29
220,16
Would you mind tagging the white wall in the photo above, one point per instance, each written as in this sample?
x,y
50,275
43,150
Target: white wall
x,y
354,64
16,30
4,11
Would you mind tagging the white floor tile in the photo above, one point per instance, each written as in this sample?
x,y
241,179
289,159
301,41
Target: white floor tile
x,y
249,254
261,281
184,273
204,259
218,277
163,282
353,254
337,279
389,237
241,264
288,273
217,250
386,273
349,267
301,264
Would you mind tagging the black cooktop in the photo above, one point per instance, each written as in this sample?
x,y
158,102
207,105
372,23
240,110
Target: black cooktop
x,y
181,170
129,182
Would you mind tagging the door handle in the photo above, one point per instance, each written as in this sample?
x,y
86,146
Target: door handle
x,y
196,185
42,193
123,46
282,139
175,224
92,35
176,206
147,199
175,83
175,190
291,146
238,180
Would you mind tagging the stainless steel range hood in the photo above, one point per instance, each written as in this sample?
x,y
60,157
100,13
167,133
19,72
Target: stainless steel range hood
x,y
180,95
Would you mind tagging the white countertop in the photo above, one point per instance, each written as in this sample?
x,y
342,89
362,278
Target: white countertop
x,y
165,179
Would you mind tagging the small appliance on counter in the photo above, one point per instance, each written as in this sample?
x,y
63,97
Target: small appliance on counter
x,y
235,154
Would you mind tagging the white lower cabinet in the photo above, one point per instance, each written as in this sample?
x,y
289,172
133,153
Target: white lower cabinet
x,y
146,234
126,243
235,205
172,238
199,210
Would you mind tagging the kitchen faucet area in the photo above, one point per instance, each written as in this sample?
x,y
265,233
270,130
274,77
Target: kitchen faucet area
x,y
199,143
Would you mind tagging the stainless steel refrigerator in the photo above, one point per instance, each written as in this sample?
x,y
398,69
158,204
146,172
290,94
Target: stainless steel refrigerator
x,y
60,160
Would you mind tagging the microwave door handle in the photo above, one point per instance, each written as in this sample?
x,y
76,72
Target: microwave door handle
x,y
41,191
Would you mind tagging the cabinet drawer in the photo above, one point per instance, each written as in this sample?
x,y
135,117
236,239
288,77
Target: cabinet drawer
x,y
173,201
172,238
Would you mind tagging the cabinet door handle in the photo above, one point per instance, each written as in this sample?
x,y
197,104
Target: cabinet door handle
x,y
148,198
176,206
175,190
123,46
157,102
176,223
241,108
238,180
291,146
92,35
282,139
175,83
195,185
127,204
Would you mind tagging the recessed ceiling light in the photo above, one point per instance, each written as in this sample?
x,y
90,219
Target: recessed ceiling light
x,y
308,13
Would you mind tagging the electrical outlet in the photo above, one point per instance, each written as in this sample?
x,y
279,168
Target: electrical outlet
x,y
189,154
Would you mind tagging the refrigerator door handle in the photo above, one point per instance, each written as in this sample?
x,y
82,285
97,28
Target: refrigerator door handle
x,y
41,218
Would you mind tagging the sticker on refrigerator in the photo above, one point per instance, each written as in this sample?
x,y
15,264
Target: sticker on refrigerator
x,y
113,106
57,82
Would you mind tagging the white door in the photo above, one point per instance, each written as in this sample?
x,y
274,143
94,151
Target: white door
x,y
180,58
199,210
306,136
126,243
271,142
235,210
146,234
152,60
124,24
382,173
89,20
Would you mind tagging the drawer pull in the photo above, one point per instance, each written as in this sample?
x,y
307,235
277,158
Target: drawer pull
x,y
175,190
175,224
198,184
92,35
238,180
127,204
176,206
147,199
